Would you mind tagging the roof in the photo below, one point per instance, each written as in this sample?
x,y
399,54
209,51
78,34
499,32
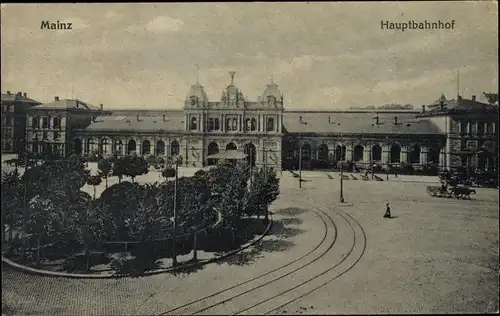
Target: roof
x,y
460,105
357,122
174,121
17,97
228,154
67,104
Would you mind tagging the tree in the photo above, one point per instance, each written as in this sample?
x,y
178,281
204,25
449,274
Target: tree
x,y
118,168
229,187
94,181
134,166
194,207
105,169
12,199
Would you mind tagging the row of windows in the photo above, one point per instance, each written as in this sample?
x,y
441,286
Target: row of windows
x,y
35,122
7,132
145,148
482,128
7,120
232,124
394,155
465,145
47,148
8,108
45,135
7,145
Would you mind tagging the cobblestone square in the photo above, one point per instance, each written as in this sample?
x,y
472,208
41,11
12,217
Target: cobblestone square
x,y
321,257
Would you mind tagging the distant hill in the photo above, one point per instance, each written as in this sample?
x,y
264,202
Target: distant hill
x,y
384,107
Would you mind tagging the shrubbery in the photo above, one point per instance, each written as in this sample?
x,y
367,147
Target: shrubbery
x,y
58,212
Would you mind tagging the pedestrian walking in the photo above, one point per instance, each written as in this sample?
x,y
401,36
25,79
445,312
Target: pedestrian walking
x,y
387,211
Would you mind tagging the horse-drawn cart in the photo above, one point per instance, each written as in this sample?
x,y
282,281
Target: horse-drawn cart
x,y
449,192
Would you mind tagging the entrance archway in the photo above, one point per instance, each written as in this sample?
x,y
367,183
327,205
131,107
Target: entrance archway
x,y
395,153
340,152
213,148
251,152
358,153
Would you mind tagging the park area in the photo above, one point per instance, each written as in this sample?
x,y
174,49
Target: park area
x,y
434,255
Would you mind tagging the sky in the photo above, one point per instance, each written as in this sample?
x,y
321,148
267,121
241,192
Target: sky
x,y
322,55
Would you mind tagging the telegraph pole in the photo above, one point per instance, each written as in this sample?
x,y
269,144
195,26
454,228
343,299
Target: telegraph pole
x,y
174,234
342,153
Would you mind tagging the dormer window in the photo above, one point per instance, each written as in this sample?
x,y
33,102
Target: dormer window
x,y
193,125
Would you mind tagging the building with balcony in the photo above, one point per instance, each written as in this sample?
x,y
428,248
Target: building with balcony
x,y
14,107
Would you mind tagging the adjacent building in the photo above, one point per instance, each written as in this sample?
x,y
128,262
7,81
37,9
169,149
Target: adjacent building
x,y
14,107
50,127
471,132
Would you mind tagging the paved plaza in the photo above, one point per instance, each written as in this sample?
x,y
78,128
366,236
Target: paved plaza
x,y
321,257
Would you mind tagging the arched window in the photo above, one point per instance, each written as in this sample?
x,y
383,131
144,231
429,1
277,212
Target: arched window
x,y
217,124
103,148
193,125
174,148
235,124
270,124
228,124
490,128
376,153
160,147
253,124
131,146
118,146
213,148
146,147
89,145
231,146
340,152
395,153
358,153
247,124
414,154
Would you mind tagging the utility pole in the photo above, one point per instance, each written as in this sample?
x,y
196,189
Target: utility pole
x,y
300,165
342,154
371,159
25,197
174,234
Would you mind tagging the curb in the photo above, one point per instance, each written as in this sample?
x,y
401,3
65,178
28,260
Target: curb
x,y
29,270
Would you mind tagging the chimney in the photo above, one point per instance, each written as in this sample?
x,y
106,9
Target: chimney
x,y
473,98
423,108
300,119
8,92
164,118
102,107
137,117
25,95
395,120
56,98
329,119
377,120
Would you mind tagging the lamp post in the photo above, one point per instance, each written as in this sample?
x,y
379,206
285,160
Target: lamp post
x,y
300,164
408,149
388,161
174,226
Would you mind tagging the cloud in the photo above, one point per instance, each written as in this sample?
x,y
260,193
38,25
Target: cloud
x,y
160,24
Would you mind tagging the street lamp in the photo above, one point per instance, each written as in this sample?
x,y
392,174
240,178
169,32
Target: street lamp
x,y
388,160
342,155
408,149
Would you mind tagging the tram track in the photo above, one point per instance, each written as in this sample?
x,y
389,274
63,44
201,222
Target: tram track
x,y
217,299
228,306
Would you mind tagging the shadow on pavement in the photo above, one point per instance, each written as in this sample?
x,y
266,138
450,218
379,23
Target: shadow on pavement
x,y
291,211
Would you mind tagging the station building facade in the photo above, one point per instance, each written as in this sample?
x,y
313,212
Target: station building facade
x,y
446,133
